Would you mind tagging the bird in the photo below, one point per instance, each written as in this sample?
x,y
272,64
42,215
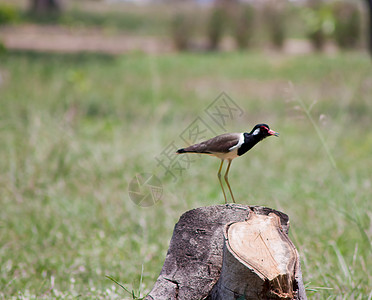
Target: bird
x,y
229,146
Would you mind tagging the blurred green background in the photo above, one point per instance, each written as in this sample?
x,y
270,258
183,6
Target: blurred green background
x,y
78,120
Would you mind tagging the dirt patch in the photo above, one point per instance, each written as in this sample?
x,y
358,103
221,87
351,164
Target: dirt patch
x,y
53,38
62,39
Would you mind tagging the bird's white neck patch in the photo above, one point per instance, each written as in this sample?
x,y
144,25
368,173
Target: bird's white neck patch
x,y
257,131
240,142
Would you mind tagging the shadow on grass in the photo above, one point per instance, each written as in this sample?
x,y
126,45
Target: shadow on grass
x,y
78,57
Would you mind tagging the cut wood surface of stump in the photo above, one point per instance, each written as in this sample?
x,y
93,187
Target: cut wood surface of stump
x,y
230,252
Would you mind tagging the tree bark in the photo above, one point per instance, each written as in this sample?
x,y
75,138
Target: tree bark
x,y
369,31
45,6
230,251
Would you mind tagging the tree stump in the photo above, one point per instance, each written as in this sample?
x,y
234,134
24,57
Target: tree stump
x,y
230,251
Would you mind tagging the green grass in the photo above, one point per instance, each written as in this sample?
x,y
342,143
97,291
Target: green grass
x,y
134,22
113,18
75,129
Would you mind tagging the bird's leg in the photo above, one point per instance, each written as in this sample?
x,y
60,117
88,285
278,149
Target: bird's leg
x,y
219,178
227,180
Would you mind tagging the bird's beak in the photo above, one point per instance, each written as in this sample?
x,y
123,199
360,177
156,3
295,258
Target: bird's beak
x,y
272,132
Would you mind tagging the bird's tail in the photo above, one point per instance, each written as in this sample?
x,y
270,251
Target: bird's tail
x,y
180,151
185,150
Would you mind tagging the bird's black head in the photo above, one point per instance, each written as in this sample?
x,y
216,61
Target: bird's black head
x,y
262,131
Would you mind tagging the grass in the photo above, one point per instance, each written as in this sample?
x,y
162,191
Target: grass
x,y
139,22
75,129
113,18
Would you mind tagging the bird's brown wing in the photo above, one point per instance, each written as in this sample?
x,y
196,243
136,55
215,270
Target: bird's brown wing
x,y
220,144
